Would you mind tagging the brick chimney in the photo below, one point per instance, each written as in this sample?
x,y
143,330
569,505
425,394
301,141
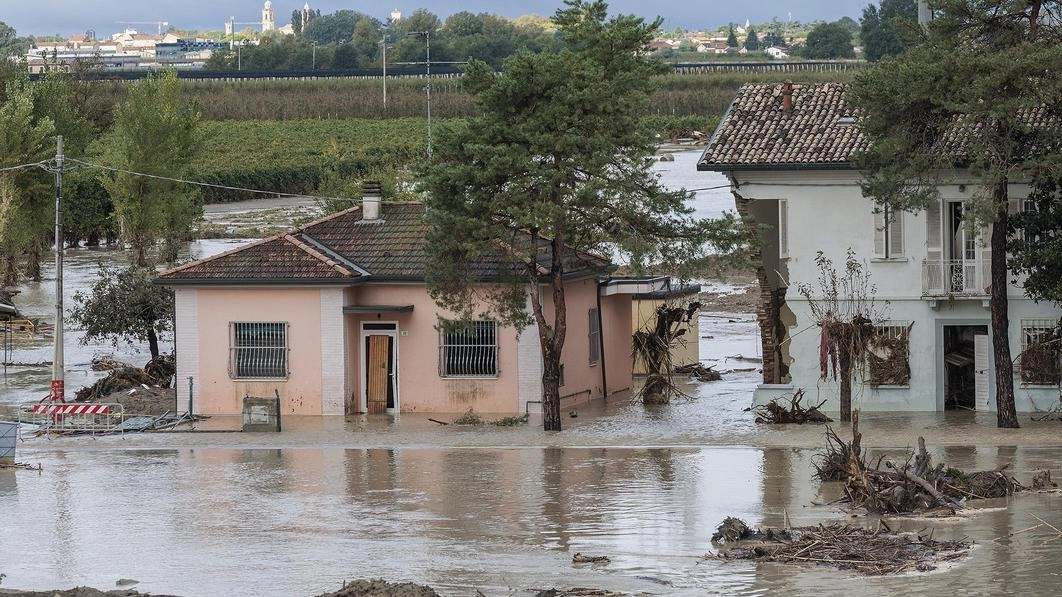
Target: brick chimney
x,y
371,197
787,96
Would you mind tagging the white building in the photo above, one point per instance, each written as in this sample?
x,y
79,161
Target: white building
x,y
269,21
787,154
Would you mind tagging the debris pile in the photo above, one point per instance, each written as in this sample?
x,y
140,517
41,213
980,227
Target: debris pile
x,y
915,485
158,373
842,546
382,588
778,412
471,418
579,558
888,356
698,372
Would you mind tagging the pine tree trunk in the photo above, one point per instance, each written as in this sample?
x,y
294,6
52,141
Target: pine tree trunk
x,y
1006,412
844,361
153,344
551,338
551,419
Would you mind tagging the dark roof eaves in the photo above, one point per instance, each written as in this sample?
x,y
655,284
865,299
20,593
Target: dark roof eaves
x,y
703,167
259,281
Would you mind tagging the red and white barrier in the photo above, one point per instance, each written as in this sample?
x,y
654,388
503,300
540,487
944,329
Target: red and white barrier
x,y
72,409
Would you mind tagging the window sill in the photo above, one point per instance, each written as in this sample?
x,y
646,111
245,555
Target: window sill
x,y
891,387
468,376
890,259
1038,386
259,378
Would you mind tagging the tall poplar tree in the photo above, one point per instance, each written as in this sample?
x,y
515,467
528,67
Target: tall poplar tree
x,y
979,96
559,154
154,133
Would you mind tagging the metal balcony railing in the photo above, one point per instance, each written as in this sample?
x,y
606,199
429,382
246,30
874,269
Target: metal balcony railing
x,y
953,277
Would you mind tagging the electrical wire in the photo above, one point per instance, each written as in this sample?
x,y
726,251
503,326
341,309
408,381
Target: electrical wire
x,y
21,166
208,184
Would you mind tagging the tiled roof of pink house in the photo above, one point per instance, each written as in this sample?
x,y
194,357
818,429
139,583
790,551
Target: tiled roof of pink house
x,y
343,248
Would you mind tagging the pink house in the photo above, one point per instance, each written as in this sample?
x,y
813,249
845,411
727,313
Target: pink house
x,y
336,318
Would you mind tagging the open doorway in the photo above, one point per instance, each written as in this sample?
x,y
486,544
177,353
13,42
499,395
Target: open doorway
x,y
965,366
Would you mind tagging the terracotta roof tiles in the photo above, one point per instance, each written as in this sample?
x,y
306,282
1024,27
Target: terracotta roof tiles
x,y
344,248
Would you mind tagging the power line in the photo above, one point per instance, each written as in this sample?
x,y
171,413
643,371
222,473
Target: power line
x,y
208,184
21,166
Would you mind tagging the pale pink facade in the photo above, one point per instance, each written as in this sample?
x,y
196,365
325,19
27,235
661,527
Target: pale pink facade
x,y
335,318
326,364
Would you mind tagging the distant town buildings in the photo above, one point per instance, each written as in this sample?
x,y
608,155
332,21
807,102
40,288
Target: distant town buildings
x,y
132,50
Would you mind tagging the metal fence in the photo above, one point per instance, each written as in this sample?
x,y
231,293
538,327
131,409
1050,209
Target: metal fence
x,y
50,417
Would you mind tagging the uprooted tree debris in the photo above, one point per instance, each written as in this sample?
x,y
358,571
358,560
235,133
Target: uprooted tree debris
x,y
915,485
778,412
847,547
653,347
698,372
157,373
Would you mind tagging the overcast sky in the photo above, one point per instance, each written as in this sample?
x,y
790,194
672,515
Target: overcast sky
x,y
47,17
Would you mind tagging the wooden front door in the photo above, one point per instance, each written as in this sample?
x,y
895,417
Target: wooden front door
x,y
379,373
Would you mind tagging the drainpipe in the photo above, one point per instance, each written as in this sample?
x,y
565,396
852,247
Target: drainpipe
x,y
601,339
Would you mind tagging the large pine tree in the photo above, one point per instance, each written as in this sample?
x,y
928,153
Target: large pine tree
x,y
559,154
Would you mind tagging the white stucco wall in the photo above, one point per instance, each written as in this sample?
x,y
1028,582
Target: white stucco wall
x,y
827,212
186,345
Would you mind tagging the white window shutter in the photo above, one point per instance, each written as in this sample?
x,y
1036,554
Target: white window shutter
x,y
879,233
934,247
985,239
896,233
783,227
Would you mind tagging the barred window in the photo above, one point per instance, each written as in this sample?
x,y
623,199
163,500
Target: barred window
x,y
595,336
258,350
469,350
888,354
1041,352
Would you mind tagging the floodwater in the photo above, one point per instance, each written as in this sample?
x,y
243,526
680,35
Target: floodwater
x,y
501,510
260,520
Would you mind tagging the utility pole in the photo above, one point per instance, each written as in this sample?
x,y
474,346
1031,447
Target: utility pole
x,y
925,15
313,63
58,393
427,59
383,44
427,70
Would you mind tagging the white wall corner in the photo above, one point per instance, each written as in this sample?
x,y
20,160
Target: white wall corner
x,y
186,345
529,369
333,352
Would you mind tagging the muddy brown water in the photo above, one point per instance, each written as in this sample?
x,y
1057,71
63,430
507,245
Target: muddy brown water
x,y
500,510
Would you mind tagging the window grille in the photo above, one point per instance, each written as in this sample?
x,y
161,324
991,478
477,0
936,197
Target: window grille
x,y
888,354
1041,352
469,350
595,336
258,350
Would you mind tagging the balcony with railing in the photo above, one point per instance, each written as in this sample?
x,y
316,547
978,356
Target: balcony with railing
x,y
953,278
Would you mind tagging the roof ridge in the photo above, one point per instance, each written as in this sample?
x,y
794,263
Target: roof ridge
x,y
326,218
317,255
197,262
